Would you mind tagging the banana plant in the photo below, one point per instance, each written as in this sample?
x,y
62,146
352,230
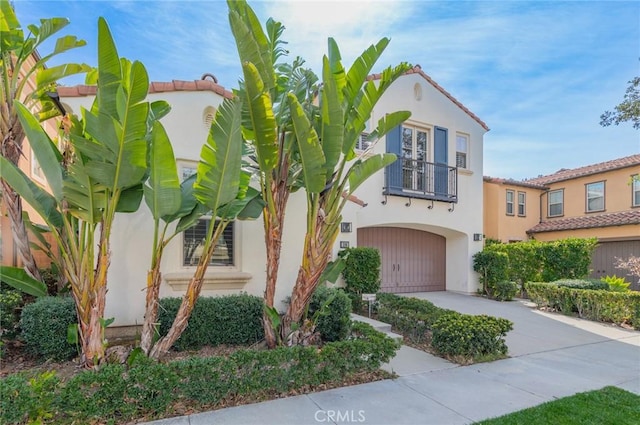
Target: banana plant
x,y
221,188
332,171
26,78
266,124
100,175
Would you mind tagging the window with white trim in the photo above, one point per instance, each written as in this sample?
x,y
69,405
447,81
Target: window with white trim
x,y
595,196
522,204
36,169
555,201
462,150
635,191
510,201
193,238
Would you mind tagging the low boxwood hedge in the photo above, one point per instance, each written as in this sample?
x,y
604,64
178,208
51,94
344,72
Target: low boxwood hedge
x,y
597,305
231,319
333,324
152,390
452,333
44,325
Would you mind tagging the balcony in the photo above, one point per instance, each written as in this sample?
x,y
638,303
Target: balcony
x,y
422,180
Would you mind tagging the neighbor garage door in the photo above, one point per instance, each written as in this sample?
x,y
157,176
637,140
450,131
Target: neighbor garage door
x,y
412,260
604,259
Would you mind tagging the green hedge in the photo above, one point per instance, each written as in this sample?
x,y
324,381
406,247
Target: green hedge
x,y
361,273
598,305
458,334
452,333
582,284
152,390
44,325
335,323
232,319
10,300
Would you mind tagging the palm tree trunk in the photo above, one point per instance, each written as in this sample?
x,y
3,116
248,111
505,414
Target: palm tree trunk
x,y
154,278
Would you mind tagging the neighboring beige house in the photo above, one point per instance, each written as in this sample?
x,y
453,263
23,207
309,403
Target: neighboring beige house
x,y
599,200
422,212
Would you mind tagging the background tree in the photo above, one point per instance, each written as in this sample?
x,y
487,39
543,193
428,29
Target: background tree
x,y
628,110
26,78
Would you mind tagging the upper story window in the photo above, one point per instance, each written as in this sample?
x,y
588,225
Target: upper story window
x,y
635,191
510,201
522,204
556,203
595,196
363,142
462,151
193,238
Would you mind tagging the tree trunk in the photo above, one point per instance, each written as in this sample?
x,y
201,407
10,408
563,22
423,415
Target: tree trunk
x,y
274,226
12,137
154,278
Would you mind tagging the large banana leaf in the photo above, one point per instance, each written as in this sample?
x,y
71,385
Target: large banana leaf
x,y
387,123
109,70
336,67
362,170
43,148
361,68
162,191
263,122
309,148
20,280
249,206
51,75
218,175
252,43
332,118
41,201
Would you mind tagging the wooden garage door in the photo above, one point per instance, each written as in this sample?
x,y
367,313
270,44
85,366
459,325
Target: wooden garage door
x,y
604,259
412,260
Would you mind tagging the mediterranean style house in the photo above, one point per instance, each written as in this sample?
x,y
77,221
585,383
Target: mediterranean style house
x,y
422,212
599,200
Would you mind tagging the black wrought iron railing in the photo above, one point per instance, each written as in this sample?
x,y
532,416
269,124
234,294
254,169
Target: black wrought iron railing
x,y
421,179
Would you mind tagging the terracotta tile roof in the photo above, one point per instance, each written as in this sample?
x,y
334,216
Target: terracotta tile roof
x,y
417,69
567,174
154,87
621,218
512,182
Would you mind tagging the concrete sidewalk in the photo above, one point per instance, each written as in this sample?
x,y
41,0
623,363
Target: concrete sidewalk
x,y
552,356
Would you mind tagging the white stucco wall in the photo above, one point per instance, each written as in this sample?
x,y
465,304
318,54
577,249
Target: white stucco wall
x,y
133,233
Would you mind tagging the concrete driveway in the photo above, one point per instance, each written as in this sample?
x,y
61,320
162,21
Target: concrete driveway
x,y
552,356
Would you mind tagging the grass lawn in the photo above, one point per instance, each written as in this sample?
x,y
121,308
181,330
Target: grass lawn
x,y
609,405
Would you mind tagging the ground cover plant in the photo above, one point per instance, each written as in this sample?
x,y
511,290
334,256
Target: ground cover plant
x,y
143,388
607,406
461,338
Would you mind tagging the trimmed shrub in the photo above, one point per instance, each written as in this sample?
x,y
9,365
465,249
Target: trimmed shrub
x,y
567,258
412,317
10,300
231,319
598,305
361,273
582,284
493,267
44,325
333,324
456,334
504,291
148,389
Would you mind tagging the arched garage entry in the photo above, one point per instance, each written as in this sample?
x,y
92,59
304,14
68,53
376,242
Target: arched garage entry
x,y
412,260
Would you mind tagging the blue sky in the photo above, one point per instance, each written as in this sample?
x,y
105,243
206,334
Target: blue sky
x,y
538,73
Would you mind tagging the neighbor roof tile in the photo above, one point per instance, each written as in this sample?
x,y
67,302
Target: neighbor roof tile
x,y
620,218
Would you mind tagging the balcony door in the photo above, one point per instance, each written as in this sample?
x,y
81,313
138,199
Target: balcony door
x,y
415,144
441,170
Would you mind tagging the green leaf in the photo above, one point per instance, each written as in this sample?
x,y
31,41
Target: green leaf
x,y
51,75
72,334
218,175
250,206
162,191
109,71
130,199
332,118
362,170
263,121
20,280
41,201
389,122
362,67
43,148
332,272
311,154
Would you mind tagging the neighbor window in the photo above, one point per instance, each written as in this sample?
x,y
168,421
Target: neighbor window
x,y
635,190
510,201
595,196
36,170
193,244
363,142
462,150
556,203
522,197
